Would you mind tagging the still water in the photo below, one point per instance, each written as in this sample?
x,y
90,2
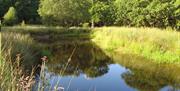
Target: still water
x,y
91,69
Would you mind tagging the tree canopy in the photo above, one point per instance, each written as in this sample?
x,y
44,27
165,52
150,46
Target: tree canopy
x,y
149,13
64,12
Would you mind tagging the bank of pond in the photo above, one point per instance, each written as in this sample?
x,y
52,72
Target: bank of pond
x,y
101,59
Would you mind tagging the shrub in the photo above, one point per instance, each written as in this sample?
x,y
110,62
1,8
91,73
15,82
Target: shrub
x,y
85,25
10,17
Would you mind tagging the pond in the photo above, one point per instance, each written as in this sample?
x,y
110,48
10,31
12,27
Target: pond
x,y
91,69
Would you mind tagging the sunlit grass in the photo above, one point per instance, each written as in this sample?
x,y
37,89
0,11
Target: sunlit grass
x,y
162,46
19,61
16,54
148,74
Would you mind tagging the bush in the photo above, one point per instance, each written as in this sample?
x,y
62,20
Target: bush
x,y
85,25
10,17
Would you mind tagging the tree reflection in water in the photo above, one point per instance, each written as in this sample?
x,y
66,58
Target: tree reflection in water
x,y
88,59
91,61
145,75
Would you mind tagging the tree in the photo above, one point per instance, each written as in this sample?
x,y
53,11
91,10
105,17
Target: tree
x,y
27,10
177,13
64,12
151,13
4,6
102,12
10,17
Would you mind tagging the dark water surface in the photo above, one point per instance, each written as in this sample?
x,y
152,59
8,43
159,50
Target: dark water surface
x,y
91,69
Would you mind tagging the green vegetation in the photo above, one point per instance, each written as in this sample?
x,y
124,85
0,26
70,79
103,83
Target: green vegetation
x,y
147,75
159,45
64,13
26,10
152,32
152,13
149,13
102,12
10,17
16,52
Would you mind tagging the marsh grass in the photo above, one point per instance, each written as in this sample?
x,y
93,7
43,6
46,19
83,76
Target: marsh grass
x,y
17,55
13,78
162,46
51,34
46,29
20,62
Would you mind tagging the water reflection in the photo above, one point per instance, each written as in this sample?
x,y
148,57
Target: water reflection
x,y
91,69
149,76
87,59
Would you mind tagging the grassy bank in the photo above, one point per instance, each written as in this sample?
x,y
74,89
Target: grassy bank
x,y
18,56
159,45
146,75
162,46
18,48
21,59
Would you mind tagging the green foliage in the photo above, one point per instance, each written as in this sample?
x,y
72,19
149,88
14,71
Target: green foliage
x,y
149,13
85,25
102,13
64,12
154,13
4,6
27,10
10,17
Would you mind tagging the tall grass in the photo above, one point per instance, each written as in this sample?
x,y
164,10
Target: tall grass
x,y
16,55
19,62
162,46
